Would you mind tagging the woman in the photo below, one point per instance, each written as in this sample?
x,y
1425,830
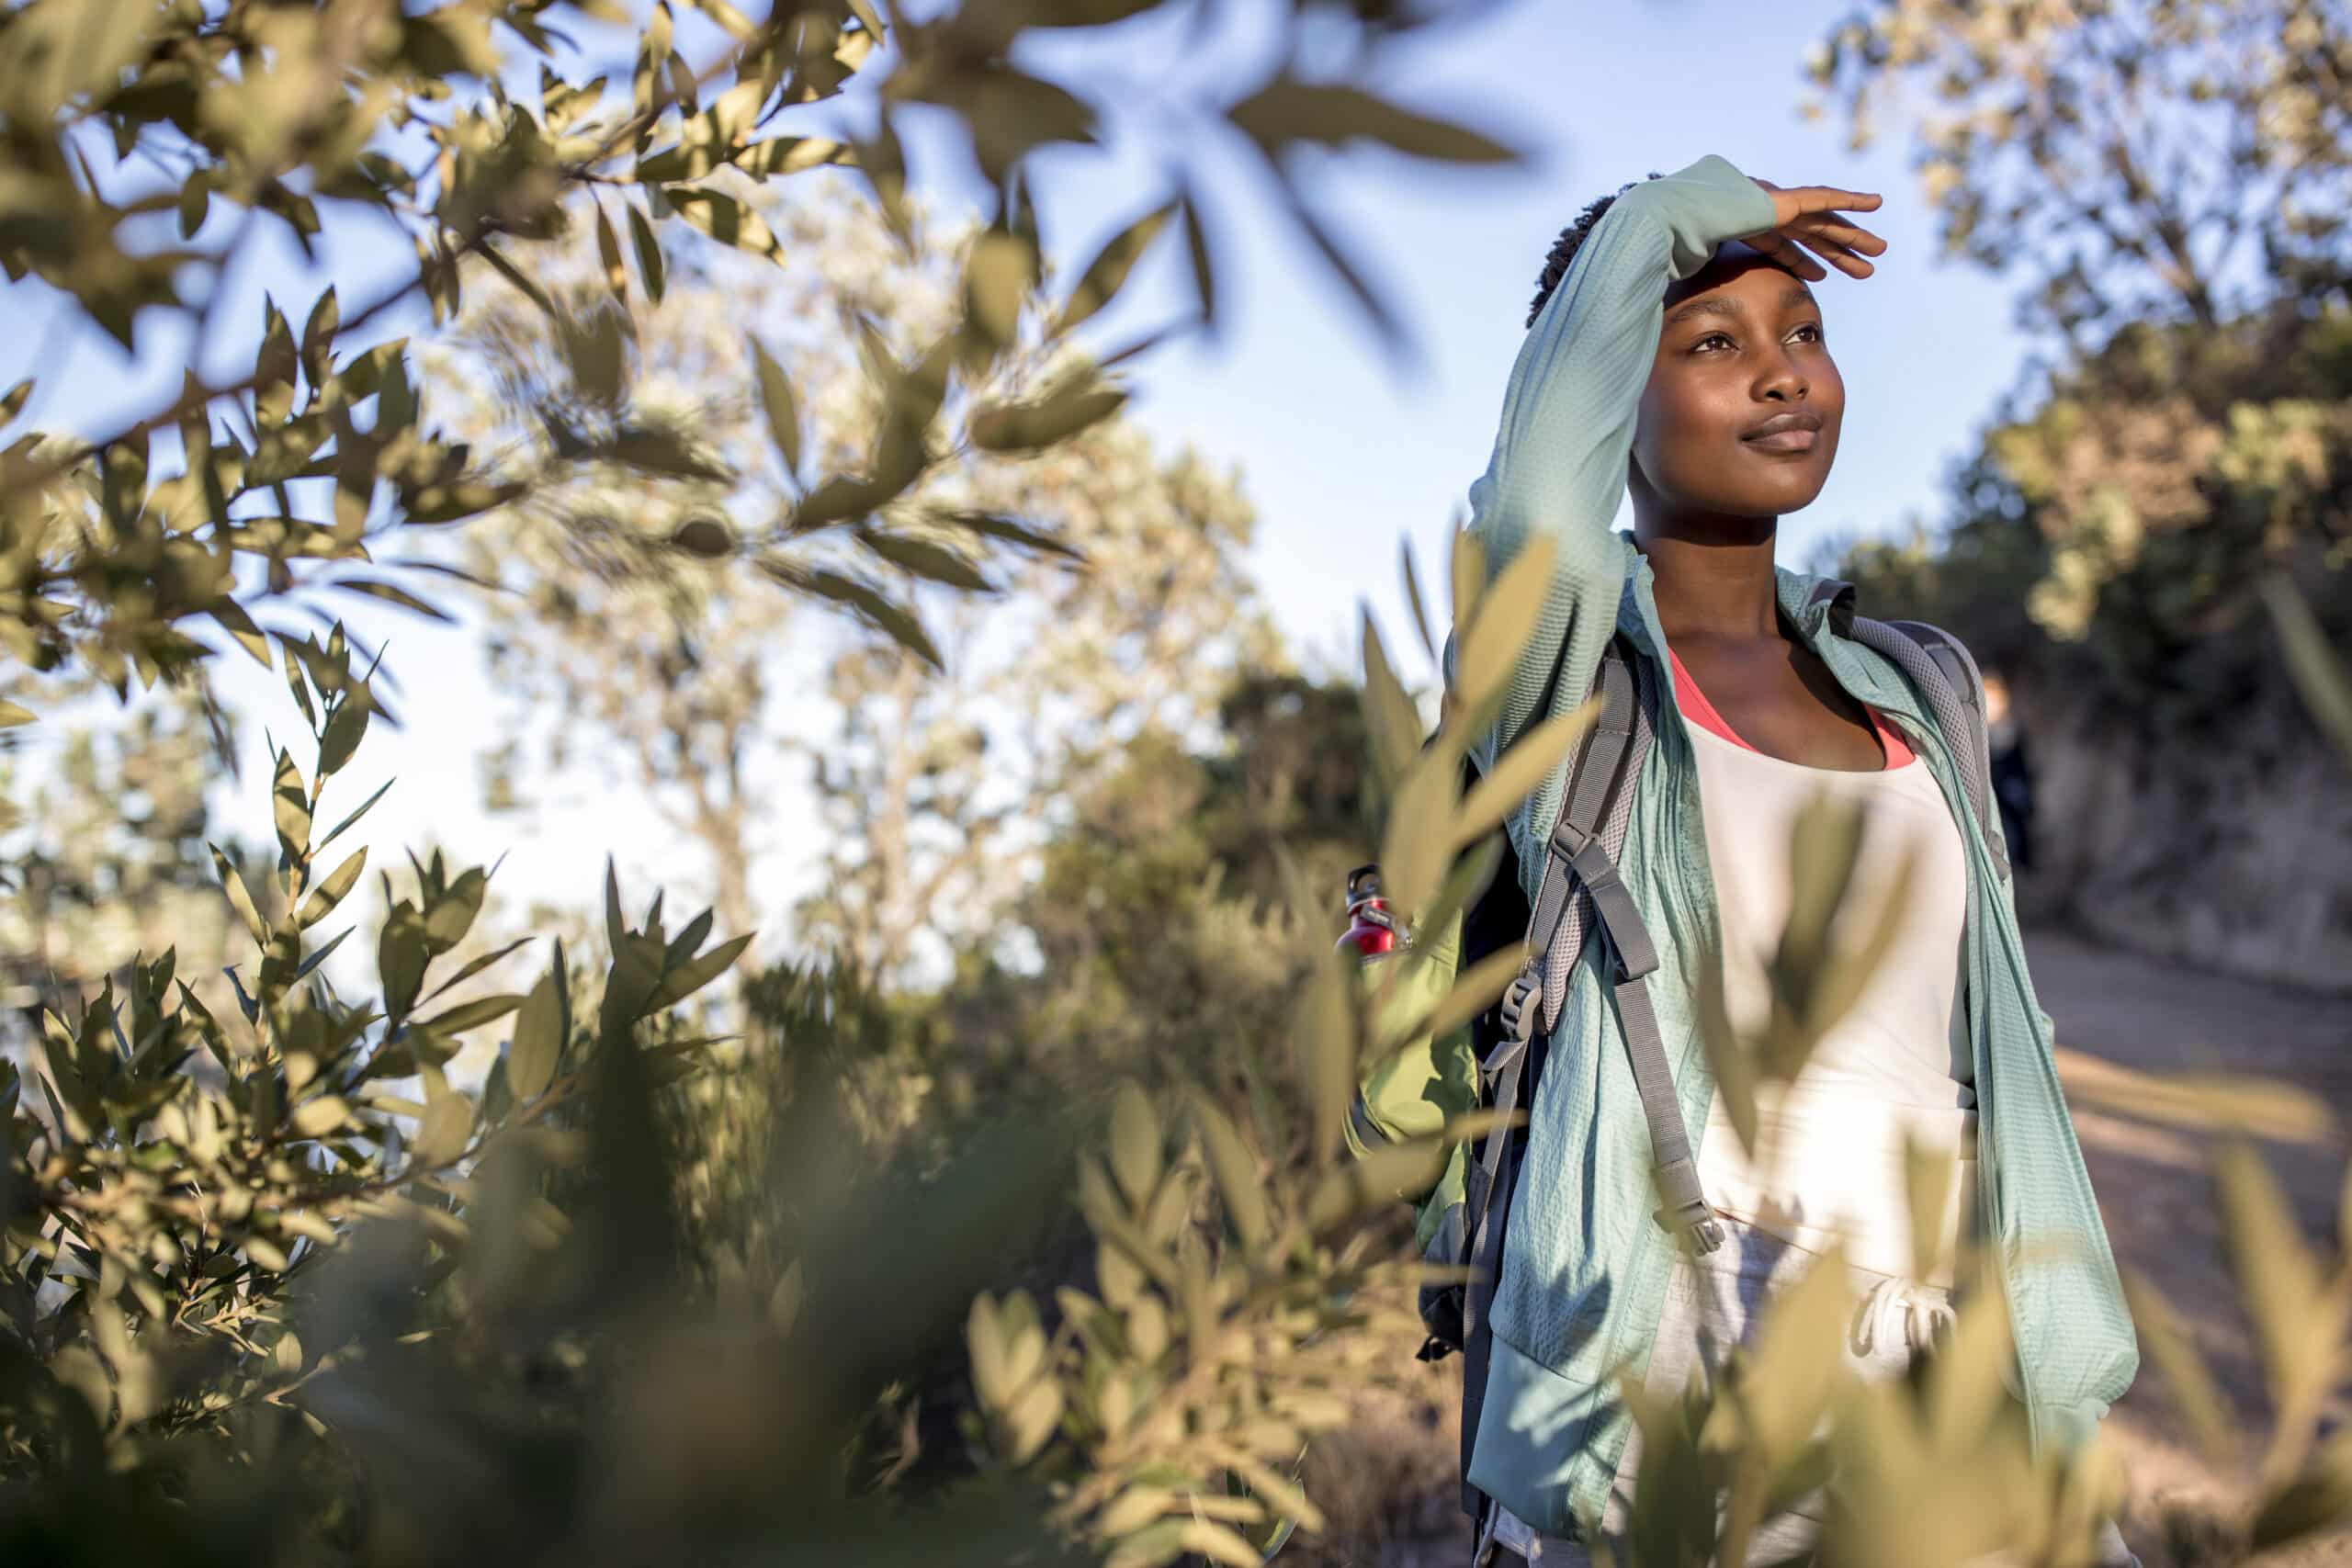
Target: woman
x,y
1676,349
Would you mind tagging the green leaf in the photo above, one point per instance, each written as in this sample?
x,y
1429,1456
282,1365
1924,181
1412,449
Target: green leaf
x,y
326,894
1011,530
998,276
608,252
514,274
1108,271
442,1131
1388,713
727,220
1218,1544
1135,1156
2298,1324
12,715
345,726
661,451
1287,110
1525,764
1196,243
318,338
355,815
317,1118
291,799
926,559
240,625
273,366
648,253
1488,652
1235,1171
616,924
1032,426
2194,1393
391,594
473,1014
239,899
1419,842
1413,599
689,977
707,538
538,1041
894,622
400,957
13,402
194,202
776,401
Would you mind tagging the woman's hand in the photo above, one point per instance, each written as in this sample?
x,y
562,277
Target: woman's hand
x,y
1813,217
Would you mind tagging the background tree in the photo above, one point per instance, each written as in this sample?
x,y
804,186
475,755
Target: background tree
x,y
2169,183
106,826
2136,161
937,792
1081,591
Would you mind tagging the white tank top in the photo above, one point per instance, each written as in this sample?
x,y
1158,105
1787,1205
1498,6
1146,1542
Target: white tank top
x,y
1829,1159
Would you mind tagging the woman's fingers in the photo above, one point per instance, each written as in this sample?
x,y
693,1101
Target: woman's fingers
x,y
1776,247
1851,235
1830,198
1803,204
1836,254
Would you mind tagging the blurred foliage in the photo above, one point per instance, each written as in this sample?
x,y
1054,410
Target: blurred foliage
x,y
1183,902
105,829
172,1177
1071,592
130,120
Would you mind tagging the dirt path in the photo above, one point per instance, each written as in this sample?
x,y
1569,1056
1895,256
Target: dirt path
x,y
2157,1197
1390,1483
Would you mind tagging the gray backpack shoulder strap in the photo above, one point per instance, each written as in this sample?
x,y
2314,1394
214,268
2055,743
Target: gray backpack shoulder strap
x,y
1580,890
1941,668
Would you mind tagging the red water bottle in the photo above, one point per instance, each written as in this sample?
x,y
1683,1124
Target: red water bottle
x,y
1372,929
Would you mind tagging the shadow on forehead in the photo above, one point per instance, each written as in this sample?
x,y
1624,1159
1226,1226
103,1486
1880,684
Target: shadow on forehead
x,y
1707,292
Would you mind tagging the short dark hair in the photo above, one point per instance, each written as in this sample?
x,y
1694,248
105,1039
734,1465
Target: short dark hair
x,y
1565,248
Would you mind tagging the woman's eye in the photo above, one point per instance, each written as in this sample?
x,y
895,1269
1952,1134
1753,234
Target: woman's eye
x,y
1809,332
1713,339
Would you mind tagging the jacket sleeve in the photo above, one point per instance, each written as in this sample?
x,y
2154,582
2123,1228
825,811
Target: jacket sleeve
x,y
1559,466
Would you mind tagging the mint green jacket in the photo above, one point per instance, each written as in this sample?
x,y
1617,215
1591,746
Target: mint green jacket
x,y
1585,1267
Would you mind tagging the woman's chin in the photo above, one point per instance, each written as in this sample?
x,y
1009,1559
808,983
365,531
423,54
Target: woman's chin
x,y
1777,495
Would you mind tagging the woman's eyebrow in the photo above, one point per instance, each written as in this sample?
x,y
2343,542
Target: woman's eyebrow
x,y
1711,305
1798,295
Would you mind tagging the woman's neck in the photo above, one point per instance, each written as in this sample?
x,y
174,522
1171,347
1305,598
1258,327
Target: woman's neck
x,y
1714,582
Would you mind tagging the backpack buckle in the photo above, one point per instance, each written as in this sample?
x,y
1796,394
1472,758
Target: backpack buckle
x,y
1694,1223
1518,1009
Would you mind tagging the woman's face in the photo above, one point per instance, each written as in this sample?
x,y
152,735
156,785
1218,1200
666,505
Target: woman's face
x,y
1744,403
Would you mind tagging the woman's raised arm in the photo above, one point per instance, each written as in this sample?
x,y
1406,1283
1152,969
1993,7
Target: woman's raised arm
x,y
1558,466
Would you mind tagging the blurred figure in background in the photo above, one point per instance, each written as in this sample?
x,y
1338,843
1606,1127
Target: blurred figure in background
x,y
2012,773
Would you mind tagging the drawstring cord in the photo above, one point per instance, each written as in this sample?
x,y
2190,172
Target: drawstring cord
x,y
1927,1320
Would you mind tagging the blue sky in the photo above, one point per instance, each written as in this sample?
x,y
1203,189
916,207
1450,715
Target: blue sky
x,y
1344,452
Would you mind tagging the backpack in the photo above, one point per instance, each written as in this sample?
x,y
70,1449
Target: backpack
x,y
1501,1053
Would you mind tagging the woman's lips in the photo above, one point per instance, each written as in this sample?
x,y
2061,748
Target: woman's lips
x,y
1785,440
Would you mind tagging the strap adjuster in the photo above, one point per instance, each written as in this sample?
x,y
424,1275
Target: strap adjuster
x,y
1517,1007
1695,1223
